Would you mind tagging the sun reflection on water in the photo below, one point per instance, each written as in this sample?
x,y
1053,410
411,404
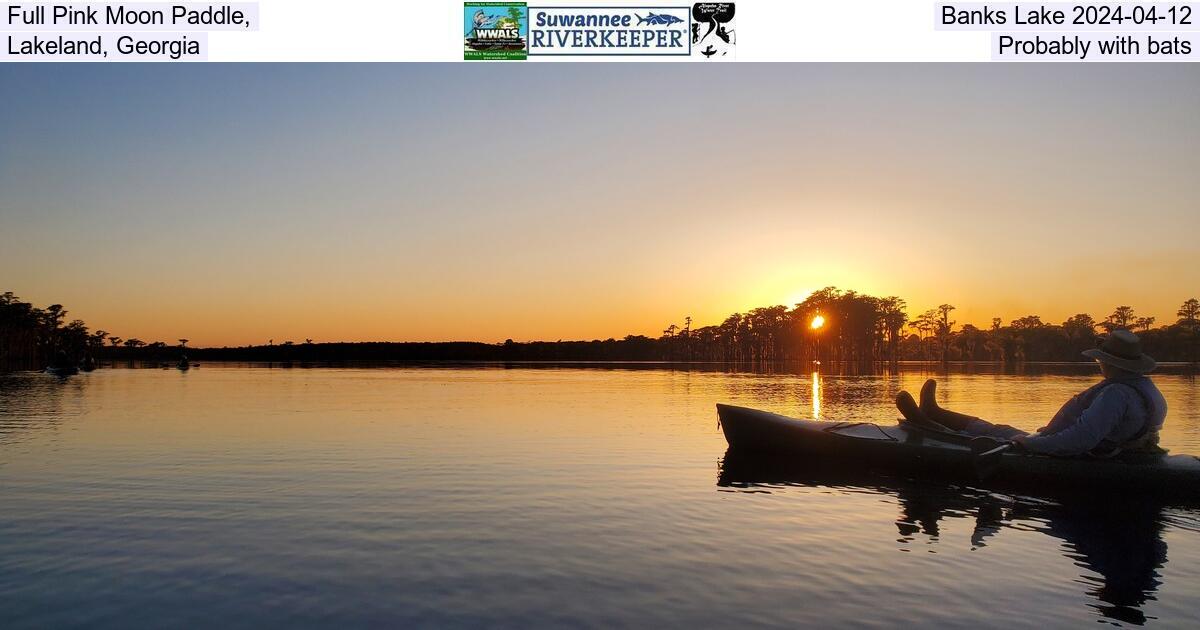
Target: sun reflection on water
x,y
816,394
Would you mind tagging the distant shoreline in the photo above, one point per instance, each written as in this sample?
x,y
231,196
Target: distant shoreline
x,y
829,326
792,367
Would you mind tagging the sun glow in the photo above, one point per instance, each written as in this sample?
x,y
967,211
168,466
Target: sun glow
x,y
817,322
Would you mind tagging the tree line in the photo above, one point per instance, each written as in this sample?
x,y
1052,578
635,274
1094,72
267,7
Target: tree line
x,y
830,325
859,328
31,337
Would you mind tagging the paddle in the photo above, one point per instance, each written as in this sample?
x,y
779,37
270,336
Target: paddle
x,y
987,453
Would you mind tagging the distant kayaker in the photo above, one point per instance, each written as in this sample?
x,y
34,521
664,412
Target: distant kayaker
x,y
1123,412
61,360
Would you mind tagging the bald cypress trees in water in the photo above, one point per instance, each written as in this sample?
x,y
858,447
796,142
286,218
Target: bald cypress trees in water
x,y
861,329
31,336
852,329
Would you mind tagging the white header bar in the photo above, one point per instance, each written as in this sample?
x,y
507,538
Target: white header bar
x,y
745,30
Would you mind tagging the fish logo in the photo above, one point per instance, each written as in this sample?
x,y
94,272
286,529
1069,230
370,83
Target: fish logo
x,y
654,19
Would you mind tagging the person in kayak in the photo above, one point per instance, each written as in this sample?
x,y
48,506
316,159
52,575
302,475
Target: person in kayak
x,y
1123,412
61,361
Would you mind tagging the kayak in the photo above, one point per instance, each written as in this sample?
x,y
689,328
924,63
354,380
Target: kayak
x,y
62,371
864,446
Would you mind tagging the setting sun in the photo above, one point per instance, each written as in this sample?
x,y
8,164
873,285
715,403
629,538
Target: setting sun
x,y
817,322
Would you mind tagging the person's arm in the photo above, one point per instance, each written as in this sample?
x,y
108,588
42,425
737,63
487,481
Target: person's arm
x,y
1067,414
1095,423
1056,423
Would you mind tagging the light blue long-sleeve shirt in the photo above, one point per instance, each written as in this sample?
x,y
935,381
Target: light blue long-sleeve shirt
x,y
1114,411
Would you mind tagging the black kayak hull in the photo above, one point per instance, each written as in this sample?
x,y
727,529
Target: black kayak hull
x,y
865,446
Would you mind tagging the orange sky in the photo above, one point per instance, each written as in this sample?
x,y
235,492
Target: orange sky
x,y
232,205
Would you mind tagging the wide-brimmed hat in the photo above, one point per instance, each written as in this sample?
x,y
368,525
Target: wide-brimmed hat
x,y
1122,349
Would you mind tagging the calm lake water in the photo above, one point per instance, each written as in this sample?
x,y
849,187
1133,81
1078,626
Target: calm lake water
x,y
238,497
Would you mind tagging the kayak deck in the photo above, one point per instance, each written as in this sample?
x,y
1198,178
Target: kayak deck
x,y
867,446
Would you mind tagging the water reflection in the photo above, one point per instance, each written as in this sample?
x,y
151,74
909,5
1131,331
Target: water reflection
x,y
816,394
31,402
1120,544
387,497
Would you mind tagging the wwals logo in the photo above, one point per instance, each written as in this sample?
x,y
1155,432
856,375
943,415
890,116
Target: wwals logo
x,y
495,30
